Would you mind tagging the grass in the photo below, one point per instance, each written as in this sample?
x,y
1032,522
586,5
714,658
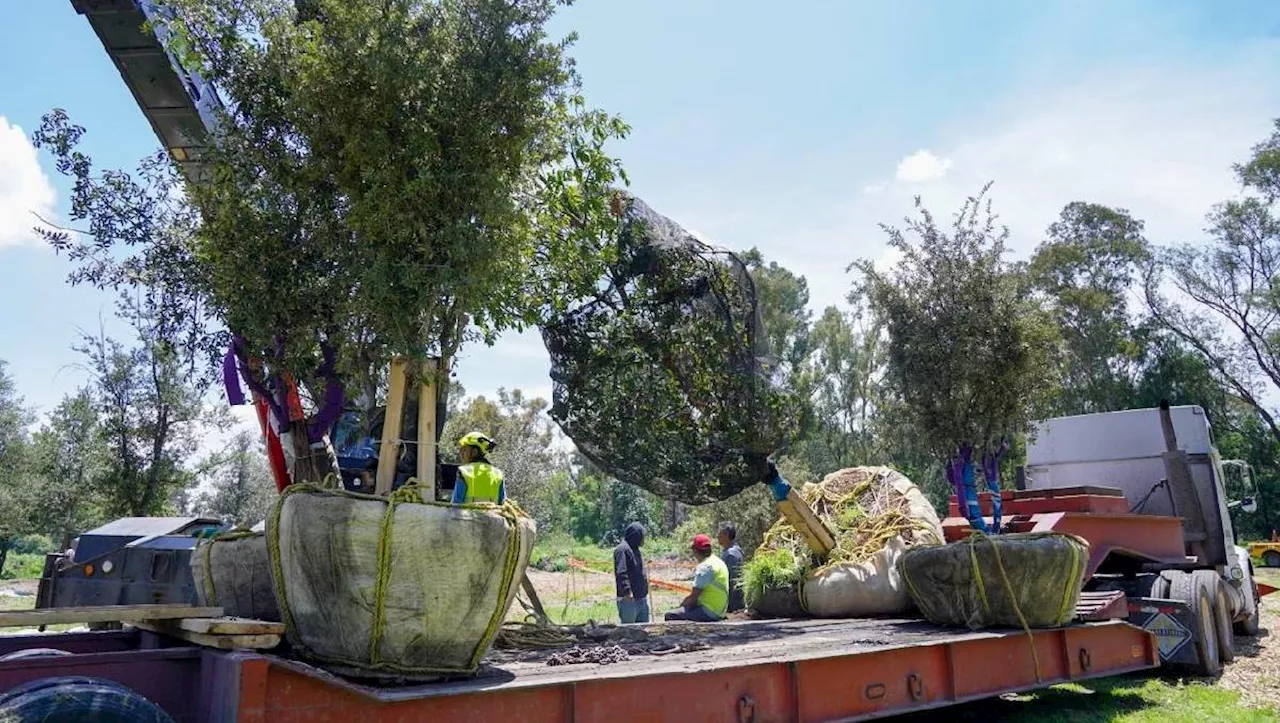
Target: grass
x,y
1127,699
552,552
23,566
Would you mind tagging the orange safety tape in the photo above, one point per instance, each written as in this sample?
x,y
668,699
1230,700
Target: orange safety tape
x,y
660,584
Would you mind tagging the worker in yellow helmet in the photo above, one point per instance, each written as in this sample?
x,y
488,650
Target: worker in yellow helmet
x,y
478,480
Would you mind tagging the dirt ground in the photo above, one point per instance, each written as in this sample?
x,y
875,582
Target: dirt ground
x,y
1255,673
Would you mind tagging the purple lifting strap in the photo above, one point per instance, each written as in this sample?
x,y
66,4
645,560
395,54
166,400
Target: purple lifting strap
x,y
231,377
331,406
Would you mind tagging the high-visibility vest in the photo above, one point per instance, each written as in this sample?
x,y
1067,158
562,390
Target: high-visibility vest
x,y
715,596
483,482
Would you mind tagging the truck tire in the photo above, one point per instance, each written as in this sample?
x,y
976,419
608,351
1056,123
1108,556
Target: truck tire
x,y
1154,586
1271,558
1251,625
1222,613
92,702
1202,600
42,683
32,653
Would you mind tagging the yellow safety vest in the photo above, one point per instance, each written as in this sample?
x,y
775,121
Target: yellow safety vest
x,y
715,596
483,482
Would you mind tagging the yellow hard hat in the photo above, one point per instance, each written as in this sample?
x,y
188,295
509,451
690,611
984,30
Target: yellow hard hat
x,y
479,440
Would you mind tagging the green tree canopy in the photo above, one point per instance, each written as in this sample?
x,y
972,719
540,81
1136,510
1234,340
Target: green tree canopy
x,y
969,352
1085,269
385,179
1221,298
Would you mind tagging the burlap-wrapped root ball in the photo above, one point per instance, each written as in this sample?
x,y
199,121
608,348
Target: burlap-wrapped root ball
x,y
398,586
875,514
1019,580
233,571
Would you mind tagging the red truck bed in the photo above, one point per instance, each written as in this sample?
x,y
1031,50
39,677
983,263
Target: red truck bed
x,y
794,670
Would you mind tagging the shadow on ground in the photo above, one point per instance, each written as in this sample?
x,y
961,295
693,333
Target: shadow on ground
x,y
1101,700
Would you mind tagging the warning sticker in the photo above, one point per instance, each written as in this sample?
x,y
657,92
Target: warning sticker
x,y
1170,634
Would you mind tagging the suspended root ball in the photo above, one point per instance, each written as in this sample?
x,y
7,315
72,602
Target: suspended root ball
x,y
662,378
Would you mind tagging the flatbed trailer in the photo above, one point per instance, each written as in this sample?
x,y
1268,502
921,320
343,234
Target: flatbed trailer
x,y
780,670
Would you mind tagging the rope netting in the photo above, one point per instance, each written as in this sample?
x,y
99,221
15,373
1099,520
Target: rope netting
x,y
662,378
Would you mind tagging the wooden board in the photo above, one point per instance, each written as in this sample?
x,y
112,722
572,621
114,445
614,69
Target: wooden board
x,y
427,426
221,642
389,451
227,626
103,614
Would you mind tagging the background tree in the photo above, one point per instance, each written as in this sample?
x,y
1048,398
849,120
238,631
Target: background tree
x,y
843,376
69,459
969,352
783,299
600,507
150,418
1085,270
241,490
14,463
1225,304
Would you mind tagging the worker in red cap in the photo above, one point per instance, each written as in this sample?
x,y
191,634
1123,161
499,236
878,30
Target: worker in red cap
x,y
710,597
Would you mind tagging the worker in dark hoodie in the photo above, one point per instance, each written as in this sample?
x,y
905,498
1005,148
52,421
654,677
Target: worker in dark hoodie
x,y
629,576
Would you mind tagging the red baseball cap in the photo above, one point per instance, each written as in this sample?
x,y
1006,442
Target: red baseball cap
x,y
701,542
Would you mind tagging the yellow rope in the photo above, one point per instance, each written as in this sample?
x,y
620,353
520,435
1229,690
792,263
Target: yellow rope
x,y
1065,613
532,636
210,590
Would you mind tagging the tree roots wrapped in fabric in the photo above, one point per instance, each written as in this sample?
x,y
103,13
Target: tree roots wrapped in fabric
x,y
1020,580
397,586
874,513
233,571
661,378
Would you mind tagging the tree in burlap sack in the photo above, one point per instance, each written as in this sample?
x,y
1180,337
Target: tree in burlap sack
x,y
662,376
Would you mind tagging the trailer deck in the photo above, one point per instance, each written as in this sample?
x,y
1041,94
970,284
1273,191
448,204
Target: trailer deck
x,y
790,670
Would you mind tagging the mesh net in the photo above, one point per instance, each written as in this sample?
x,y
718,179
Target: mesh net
x,y
662,378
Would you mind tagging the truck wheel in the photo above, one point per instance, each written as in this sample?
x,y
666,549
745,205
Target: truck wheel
x,y
1250,626
1193,591
1222,613
43,683
97,701
32,653
1271,558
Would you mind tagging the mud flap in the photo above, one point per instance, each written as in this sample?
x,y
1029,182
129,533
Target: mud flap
x,y
1173,624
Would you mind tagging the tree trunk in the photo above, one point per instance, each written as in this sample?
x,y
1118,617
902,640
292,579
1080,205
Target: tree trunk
x,y
311,465
5,543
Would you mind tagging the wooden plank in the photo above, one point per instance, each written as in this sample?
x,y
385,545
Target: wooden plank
x,y
534,600
389,452
802,517
427,426
221,642
227,626
103,614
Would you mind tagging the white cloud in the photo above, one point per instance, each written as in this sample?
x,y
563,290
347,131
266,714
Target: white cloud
x,y
1156,140
922,166
23,187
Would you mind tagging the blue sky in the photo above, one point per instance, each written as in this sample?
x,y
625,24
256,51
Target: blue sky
x,y
797,130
